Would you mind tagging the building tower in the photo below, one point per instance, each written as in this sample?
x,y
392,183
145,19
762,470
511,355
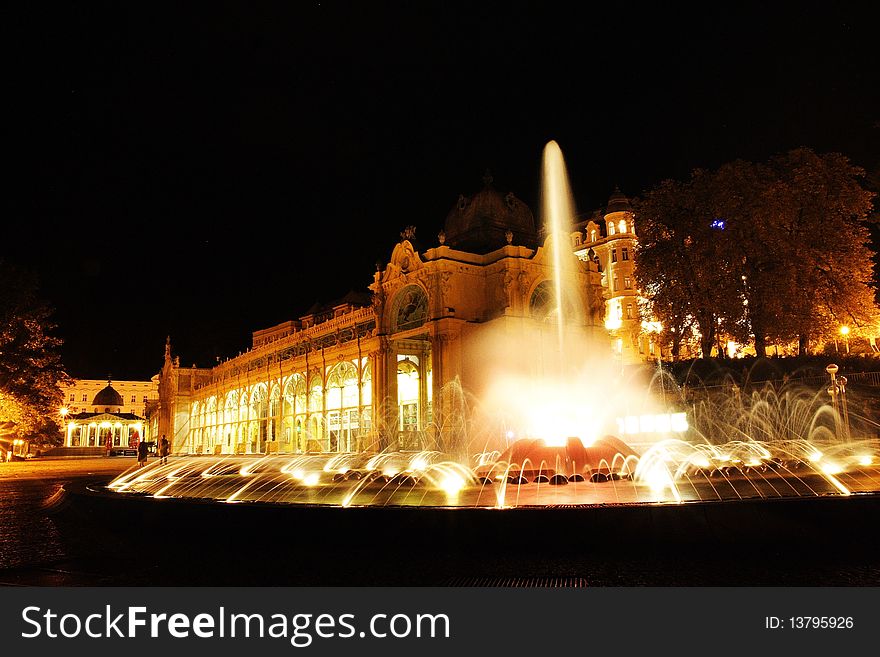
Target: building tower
x,y
609,238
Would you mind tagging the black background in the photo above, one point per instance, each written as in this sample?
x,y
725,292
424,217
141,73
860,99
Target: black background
x,y
206,171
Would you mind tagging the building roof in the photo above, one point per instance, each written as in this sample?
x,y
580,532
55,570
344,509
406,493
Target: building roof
x,y
108,397
479,223
618,202
108,416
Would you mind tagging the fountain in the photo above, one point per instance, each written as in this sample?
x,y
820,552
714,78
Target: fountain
x,y
582,437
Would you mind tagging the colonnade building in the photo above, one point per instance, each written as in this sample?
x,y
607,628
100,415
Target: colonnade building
x,y
371,371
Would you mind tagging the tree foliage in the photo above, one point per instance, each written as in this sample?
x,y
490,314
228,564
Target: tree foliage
x,y
30,364
771,251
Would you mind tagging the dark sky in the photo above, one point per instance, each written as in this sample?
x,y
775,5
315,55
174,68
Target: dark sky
x,y
208,173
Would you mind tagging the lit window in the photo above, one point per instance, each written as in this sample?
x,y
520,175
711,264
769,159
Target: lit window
x,y
627,282
593,235
625,253
577,239
611,229
622,226
613,255
629,311
616,283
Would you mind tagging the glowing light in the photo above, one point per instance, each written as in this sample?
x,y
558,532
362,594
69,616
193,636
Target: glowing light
x,y
451,483
844,330
311,479
660,423
718,224
866,459
105,425
510,435
613,323
831,468
678,422
815,456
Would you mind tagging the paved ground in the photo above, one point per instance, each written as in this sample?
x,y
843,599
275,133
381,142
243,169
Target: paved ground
x,y
31,546
49,469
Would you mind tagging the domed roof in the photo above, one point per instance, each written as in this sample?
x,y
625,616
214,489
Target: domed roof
x,y
479,224
108,397
618,202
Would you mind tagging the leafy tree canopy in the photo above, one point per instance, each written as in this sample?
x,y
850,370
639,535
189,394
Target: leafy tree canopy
x,y
30,364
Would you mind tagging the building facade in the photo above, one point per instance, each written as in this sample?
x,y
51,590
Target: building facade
x,y
383,370
79,396
105,420
608,238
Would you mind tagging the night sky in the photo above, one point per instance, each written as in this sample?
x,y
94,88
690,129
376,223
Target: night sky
x,y
210,173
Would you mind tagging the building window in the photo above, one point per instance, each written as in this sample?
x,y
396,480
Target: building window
x,y
133,398
611,228
616,283
84,397
145,399
622,226
72,397
625,253
629,311
593,235
613,255
627,282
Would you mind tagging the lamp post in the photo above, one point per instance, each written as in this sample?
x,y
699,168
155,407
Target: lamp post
x,y
844,331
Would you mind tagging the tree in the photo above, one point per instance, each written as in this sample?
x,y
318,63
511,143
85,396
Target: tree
x,y
681,264
30,364
822,214
774,250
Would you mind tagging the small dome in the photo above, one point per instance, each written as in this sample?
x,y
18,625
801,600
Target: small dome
x,y
618,202
108,397
479,224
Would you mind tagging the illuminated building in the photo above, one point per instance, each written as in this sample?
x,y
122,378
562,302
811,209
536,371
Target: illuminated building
x,y
367,373
608,238
79,395
104,420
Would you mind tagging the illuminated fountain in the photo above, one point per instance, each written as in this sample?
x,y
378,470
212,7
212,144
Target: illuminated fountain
x,y
575,431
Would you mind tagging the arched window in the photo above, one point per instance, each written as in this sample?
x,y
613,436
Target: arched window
x,y
543,301
543,306
410,308
593,235
342,407
611,228
625,253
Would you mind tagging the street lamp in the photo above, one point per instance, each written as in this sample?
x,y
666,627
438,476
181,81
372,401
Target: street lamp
x,y
844,331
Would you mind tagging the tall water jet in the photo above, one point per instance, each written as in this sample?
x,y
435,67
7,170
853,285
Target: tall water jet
x,y
558,215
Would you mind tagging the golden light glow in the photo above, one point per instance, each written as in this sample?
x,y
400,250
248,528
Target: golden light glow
x,y
452,483
844,330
